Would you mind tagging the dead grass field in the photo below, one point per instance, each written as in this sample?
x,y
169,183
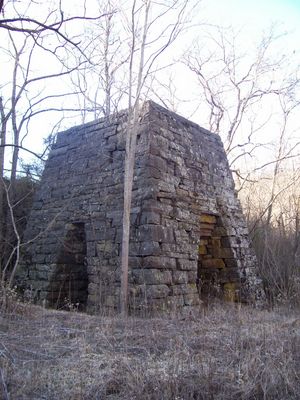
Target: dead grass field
x,y
221,352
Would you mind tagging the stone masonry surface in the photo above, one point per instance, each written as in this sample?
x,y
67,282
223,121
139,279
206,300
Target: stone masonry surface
x,y
189,240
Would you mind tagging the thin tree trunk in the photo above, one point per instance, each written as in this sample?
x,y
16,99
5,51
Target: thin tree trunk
x,y
9,231
2,152
131,135
128,184
126,234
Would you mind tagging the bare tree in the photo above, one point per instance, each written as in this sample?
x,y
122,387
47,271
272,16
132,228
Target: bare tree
x,y
284,152
18,110
101,83
25,92
276,237
55,21
237,86
149,50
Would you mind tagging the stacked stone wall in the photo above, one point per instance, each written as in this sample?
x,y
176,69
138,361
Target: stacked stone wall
x,y
182,181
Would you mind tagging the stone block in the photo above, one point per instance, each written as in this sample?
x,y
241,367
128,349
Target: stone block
x,y
91,249
186,265
93,278
215,242
202,249
151,276
93,289
156,233
182,236
185,288
192,276
231,263
208,219
220,231
174,302
206,227
180,277
107,247
221,252
159,262
203,242
148,248
225,242
154,291
213,263
157,162
150,217
176,290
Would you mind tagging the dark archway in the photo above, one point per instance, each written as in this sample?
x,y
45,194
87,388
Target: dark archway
x,y
217,267
69,282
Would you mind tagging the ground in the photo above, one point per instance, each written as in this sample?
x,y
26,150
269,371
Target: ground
x,y
218,352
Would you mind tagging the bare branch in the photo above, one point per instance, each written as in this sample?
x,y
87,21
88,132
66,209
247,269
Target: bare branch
x,y
22,148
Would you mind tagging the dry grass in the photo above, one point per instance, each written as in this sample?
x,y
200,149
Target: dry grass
x,y
223,352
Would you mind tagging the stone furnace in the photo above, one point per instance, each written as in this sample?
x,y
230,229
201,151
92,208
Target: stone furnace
x,y
189,239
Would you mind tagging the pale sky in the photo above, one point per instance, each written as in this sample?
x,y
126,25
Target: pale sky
x,y
252,17
254,13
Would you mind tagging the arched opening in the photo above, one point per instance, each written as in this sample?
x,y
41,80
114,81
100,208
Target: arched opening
x,y
217,267
69,283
